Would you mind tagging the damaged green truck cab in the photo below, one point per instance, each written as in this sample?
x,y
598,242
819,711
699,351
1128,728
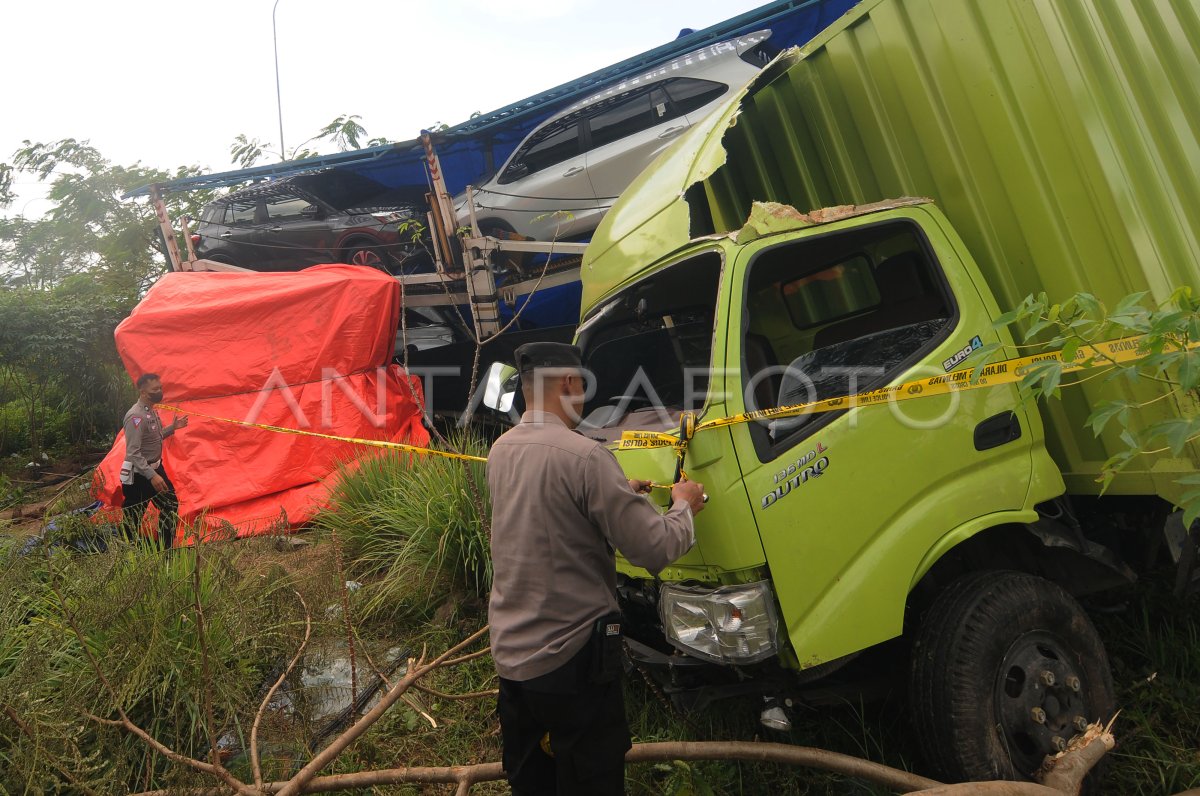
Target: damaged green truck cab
x,y
1050,165
847,511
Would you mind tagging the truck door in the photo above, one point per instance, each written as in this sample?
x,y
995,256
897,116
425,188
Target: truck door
x,y
848,502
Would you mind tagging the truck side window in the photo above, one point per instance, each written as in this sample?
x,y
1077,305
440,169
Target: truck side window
x,y
836,314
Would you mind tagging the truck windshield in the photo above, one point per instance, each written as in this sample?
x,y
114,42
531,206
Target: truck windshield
x,y
836,314
649,350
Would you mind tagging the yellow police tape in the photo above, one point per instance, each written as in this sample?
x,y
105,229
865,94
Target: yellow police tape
x,y
1008,371
374,443
1110,352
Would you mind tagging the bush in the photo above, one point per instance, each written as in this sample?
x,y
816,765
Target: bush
x,y
416,528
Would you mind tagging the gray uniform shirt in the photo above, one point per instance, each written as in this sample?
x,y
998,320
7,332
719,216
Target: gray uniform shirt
x,y
560,504
144,435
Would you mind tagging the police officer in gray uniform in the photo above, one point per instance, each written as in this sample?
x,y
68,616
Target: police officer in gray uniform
x,y
143,478
560,504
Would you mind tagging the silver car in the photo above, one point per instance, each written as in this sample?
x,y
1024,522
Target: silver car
x,y
561,180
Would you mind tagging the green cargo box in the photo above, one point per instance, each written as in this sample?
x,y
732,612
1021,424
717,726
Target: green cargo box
x,y
1058,136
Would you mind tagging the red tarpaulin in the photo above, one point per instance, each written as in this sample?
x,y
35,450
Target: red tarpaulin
x,y
309,350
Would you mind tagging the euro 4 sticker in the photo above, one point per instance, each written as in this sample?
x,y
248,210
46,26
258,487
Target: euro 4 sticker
x,y
962,353
801,471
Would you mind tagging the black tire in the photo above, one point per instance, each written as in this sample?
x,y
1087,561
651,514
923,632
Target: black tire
x,y
369,254
978,676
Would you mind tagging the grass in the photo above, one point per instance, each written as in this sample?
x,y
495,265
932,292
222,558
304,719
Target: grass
x,y
416,538
133,607
413,532
1154,649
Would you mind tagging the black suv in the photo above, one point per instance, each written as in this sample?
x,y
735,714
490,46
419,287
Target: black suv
x,y
305,219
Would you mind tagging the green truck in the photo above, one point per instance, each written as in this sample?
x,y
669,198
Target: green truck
x,y
859,217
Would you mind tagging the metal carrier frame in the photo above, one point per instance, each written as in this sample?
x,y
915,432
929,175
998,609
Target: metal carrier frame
x,y
463,272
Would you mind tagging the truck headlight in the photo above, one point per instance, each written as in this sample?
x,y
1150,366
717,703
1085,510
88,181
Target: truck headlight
x,y
732,624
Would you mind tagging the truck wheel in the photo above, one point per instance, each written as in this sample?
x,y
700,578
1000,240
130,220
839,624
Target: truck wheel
x,y
1006,668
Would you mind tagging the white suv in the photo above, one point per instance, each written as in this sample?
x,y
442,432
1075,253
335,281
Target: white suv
x,y
565,175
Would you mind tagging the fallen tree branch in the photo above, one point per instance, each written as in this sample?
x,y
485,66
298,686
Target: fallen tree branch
x,y
297,784
1068,769
443,695
464,658
255,764
465,776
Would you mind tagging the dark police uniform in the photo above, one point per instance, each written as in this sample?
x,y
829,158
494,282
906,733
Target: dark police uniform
x,y
144,434
560,504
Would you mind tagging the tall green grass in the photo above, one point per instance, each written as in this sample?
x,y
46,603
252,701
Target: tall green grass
x,y
414,528
134,608
1154,648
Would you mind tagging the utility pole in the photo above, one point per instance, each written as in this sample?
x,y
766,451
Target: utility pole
x,y
278,98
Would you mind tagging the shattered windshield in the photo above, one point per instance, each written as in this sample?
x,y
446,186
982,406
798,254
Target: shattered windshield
x,y
649,350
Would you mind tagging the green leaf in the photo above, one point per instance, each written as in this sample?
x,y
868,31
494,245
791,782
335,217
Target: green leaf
x,y
1132,321
1006,318
1090,305
1189,370
1162,323
984,356
1106,411
1191,510
1042,378
1037,326
1070,349
1175,431
1128,303
1193,328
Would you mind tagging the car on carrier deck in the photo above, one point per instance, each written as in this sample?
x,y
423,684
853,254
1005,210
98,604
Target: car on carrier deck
x,y
293,222
561,180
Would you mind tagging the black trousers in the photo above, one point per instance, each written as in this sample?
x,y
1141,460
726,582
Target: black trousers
x,y
588,735
141,492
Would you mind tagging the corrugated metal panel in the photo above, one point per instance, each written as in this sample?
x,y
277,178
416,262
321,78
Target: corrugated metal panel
x,y
1059,136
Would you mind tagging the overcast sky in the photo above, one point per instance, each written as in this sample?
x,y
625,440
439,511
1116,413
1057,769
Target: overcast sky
x,y
171,83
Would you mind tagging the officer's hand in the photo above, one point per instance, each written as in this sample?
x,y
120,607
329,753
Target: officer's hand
x,y
159,483
692,492
180,422
639,486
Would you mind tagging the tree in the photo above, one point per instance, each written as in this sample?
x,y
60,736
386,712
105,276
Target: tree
x,y
90,229
59,350
345,132
1166,356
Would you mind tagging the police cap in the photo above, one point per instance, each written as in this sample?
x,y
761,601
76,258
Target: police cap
x,y
532,356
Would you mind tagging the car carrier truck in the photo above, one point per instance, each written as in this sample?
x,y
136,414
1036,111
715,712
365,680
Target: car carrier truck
x,y
859,217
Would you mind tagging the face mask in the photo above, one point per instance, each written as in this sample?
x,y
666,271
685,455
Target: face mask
x,y
155,396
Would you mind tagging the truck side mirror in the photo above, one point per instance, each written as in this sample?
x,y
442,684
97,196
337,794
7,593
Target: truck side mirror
x,y
500,387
